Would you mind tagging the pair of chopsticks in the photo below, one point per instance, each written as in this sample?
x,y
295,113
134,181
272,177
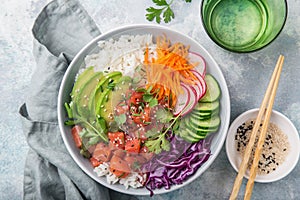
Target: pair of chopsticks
x,y
264,110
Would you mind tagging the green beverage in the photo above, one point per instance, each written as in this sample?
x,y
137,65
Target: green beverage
x,y
243,25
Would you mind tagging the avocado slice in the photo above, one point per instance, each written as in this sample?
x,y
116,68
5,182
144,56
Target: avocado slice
x,y
83,97
81,80
109,99
101,87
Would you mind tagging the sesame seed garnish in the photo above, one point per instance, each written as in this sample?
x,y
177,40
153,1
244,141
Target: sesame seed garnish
x,y
275,147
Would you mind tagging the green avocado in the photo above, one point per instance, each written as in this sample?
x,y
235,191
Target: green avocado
x,y
101,87
81,80
110,98
83,97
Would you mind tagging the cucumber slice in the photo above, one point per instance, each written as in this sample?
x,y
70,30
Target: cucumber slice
x,y
195,131
195,135
203,131
204,116
211,123
207,107
213,91
187,137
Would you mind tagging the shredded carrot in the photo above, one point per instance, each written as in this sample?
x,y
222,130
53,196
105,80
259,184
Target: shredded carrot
x,y
168,69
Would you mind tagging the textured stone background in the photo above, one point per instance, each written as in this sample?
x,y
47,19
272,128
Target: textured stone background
x,y
246,75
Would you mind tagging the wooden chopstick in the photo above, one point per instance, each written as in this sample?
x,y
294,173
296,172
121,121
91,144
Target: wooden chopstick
x,y
266,107
262,135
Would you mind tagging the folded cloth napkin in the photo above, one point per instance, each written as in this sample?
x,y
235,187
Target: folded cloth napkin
x,y
60,31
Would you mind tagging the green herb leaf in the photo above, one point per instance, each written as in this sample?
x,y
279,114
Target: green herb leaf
x,y
85,153
147,97
113,126
141,90
165,144
120,119
158,144
136,79
94,140
160,2
136,165
164,9
68,109
168,15
70,122
176,125
164,116
154,13
136,114
153,102
111,86
153,133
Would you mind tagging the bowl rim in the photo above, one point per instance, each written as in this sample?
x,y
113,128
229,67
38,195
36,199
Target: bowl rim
x,y
115,31
237,51
247,115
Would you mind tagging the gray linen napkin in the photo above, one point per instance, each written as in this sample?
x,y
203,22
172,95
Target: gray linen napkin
x,y
60,31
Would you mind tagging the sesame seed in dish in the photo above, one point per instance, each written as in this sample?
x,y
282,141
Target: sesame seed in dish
x,y
275,148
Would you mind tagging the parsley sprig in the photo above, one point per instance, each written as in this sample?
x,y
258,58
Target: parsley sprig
x,y
157,140
148,96
163,9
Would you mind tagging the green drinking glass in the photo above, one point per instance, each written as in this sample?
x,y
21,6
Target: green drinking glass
x,y
243,25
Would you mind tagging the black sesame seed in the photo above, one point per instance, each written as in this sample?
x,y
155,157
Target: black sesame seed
x,y
270,162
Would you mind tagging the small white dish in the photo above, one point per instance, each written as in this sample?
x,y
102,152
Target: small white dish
x,y
285,125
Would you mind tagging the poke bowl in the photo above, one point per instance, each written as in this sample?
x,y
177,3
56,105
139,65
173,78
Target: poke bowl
x,y
143,109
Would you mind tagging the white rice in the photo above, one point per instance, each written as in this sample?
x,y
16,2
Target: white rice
x,y
123,54
133,180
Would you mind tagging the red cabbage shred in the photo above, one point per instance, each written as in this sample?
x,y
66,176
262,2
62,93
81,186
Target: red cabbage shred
x,y
174,166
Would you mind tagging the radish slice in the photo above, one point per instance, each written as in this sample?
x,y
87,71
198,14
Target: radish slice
x,y
182,101
197,58
201,83
198,90
192,101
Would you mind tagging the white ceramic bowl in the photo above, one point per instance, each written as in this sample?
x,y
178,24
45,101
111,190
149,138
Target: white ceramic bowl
x,y
285,125
155,30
